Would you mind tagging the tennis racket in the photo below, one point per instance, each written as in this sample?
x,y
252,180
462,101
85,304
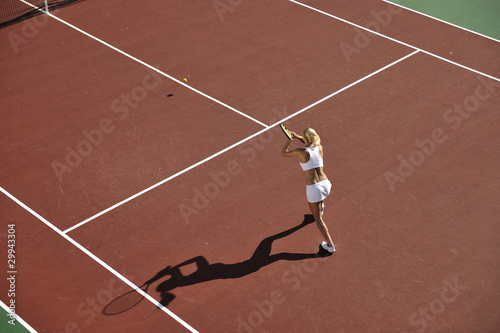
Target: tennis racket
x,y
286,131
126,301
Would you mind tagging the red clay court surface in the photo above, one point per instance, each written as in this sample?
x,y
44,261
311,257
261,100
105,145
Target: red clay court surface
x,y
410,128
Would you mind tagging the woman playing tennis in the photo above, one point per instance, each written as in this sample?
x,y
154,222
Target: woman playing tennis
x,y
317,184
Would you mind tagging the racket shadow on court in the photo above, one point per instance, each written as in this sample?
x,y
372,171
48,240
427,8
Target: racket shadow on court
x,y
208,272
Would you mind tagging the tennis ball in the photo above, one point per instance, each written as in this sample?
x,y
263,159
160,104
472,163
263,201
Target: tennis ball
x,y
185,80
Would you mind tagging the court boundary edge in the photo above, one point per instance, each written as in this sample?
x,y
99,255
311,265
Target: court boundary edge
x,y
19,319
442,21
99,261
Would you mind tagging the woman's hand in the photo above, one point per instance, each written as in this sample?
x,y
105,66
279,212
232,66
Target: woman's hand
x,y
296,136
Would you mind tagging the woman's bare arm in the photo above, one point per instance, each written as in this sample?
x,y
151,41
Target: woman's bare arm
x,y
291,153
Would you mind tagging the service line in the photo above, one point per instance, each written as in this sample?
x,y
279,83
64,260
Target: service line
x,y
236,144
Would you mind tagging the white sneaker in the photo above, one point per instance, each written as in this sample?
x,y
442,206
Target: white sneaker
x,y
322,208
325,246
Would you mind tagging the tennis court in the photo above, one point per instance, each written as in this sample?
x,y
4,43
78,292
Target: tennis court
x,y
142,202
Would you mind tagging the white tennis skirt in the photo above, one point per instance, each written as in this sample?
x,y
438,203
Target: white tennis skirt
x,y
319,191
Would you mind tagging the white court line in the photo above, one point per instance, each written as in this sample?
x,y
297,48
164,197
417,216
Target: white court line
x,y
395,40
164,180
442,21
147,65
18,319
99,261
233,145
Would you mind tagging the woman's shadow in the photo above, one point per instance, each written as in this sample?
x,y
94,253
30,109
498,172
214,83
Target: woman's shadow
x,y
208,272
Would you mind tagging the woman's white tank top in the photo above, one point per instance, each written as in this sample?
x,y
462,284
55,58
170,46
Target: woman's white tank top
x,y
315,160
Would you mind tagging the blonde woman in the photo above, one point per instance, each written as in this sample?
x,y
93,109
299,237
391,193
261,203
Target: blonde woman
x,y
317,184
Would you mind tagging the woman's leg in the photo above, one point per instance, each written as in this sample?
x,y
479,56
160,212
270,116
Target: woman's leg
x,y
316,211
